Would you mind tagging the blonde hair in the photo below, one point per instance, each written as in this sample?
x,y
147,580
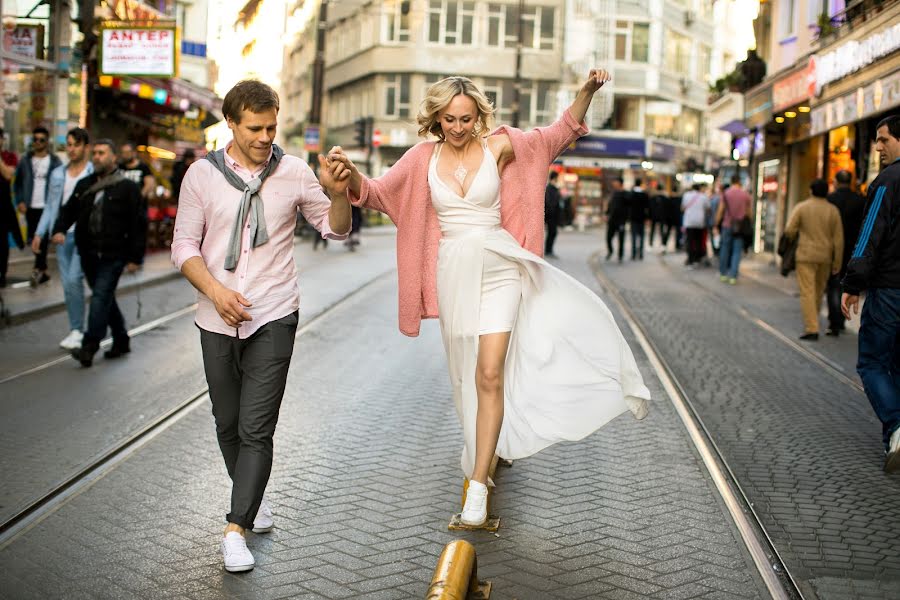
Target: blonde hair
x,y
439,96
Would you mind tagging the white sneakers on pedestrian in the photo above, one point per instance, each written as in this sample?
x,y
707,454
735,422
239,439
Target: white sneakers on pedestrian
x,y
236,554
72,341
263,523
892,461
474,512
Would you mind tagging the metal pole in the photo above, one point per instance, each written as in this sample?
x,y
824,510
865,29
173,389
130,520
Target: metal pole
x,y
315,111
517,84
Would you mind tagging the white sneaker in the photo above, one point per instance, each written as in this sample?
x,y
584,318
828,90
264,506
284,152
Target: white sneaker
x,y
263,523
237,555
72,341
892,461
474,512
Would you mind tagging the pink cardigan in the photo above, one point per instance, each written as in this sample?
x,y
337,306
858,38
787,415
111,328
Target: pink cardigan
x,y
403,194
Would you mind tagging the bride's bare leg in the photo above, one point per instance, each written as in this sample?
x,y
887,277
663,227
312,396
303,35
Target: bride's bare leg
x,y
492,350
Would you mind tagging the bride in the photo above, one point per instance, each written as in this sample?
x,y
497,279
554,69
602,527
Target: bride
x,y
534,356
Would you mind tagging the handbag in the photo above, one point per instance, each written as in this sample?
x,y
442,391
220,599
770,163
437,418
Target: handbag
x,y
742,228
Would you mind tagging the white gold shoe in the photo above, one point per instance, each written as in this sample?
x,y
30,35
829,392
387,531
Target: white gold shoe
x,y
236,554
892,460
264,521
474,512
72,341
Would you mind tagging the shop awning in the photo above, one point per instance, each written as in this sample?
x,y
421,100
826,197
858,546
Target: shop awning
x,y
174,92
735,127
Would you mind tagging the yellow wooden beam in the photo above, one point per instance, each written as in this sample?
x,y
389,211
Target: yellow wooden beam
x,y
456,575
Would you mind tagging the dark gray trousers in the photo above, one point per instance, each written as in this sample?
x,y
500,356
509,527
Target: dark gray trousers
x,y
246,384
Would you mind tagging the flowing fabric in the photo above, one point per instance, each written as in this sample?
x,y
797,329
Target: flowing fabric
x,y
568,371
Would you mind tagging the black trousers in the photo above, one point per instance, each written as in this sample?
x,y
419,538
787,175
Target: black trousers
x,y
695,248
614,230
32,218
552,228
637,240
246,381
833,295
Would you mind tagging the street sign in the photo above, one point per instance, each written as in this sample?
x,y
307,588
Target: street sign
x,y
311,141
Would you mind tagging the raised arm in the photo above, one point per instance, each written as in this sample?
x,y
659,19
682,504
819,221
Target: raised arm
x,y
596,79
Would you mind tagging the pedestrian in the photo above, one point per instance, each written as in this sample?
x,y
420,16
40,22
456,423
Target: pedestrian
x,y
110,235
9,222
30,187
850,205
136,170
874,268
657,213
355,225
552,200
178,171
820,249
616,217
735,205
62,184
234,237
714,201
468,252
694,206
672,222
638,213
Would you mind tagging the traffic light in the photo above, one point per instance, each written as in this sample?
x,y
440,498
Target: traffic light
x,y
360,133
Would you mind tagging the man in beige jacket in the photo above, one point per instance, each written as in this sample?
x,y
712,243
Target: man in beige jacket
x,y
820,250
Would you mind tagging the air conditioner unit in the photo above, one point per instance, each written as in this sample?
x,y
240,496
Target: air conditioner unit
x,y
689,17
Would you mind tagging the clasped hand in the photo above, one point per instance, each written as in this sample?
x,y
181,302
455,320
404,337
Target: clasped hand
x,y
335,171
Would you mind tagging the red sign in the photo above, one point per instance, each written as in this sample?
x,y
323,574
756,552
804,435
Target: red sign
x,y
376,138
794,88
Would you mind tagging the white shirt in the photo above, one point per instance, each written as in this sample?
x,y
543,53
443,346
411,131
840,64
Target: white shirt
x,y
695,205
40,169
69,187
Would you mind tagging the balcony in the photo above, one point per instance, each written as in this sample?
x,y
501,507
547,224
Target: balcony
x,y
856,14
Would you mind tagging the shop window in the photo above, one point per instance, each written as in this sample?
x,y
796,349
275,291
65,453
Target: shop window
x,y
840,151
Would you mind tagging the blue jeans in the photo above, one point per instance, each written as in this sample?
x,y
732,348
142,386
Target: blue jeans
x,y
103,276
730,250
879,355
72,280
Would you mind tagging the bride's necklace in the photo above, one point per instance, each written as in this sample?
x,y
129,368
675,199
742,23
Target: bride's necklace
x,y
461,172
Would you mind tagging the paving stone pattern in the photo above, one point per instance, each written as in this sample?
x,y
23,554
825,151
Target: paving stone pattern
x,y
805,447
366,477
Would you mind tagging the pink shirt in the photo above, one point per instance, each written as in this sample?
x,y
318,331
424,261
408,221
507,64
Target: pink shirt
x,y
736,200
265,275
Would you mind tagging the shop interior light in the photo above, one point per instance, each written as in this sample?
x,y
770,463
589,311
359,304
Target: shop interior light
x,y
803,109
106,81
790,114
735,154
779,119
159,152
647,165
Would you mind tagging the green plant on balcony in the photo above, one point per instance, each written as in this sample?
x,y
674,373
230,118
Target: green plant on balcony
x,y
826,26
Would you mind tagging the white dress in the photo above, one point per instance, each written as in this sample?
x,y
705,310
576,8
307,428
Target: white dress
x,y
568,370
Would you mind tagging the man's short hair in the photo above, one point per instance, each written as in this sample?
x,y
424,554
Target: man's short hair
x,y
40,129
620,180
130,144
696,187
553,175
189,154
251,95
843,177
735,179
107,142
81,136
638,181
819,188
892,123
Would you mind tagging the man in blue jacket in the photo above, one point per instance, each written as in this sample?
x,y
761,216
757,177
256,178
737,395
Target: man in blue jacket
x,y
874,267
30,187
62,183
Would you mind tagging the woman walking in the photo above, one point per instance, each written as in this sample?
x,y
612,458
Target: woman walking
x,y
469,211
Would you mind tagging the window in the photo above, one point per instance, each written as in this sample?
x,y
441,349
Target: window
x,y
626,114
786,21
535,100
395,21
678,53
396,96
451,22
684,127
500,92
538,26
632,41
704,63
706,8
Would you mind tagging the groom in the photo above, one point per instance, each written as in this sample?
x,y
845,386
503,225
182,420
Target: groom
x,y
234,242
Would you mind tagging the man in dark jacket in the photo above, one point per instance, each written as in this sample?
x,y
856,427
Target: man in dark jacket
x,y
850,205
616,215
110,234
874,267
9,223
552,199
638,213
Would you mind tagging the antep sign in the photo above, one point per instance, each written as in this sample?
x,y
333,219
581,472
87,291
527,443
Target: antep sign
x,y
148,51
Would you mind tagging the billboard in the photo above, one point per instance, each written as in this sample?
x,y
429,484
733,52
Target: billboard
x,y
147,51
